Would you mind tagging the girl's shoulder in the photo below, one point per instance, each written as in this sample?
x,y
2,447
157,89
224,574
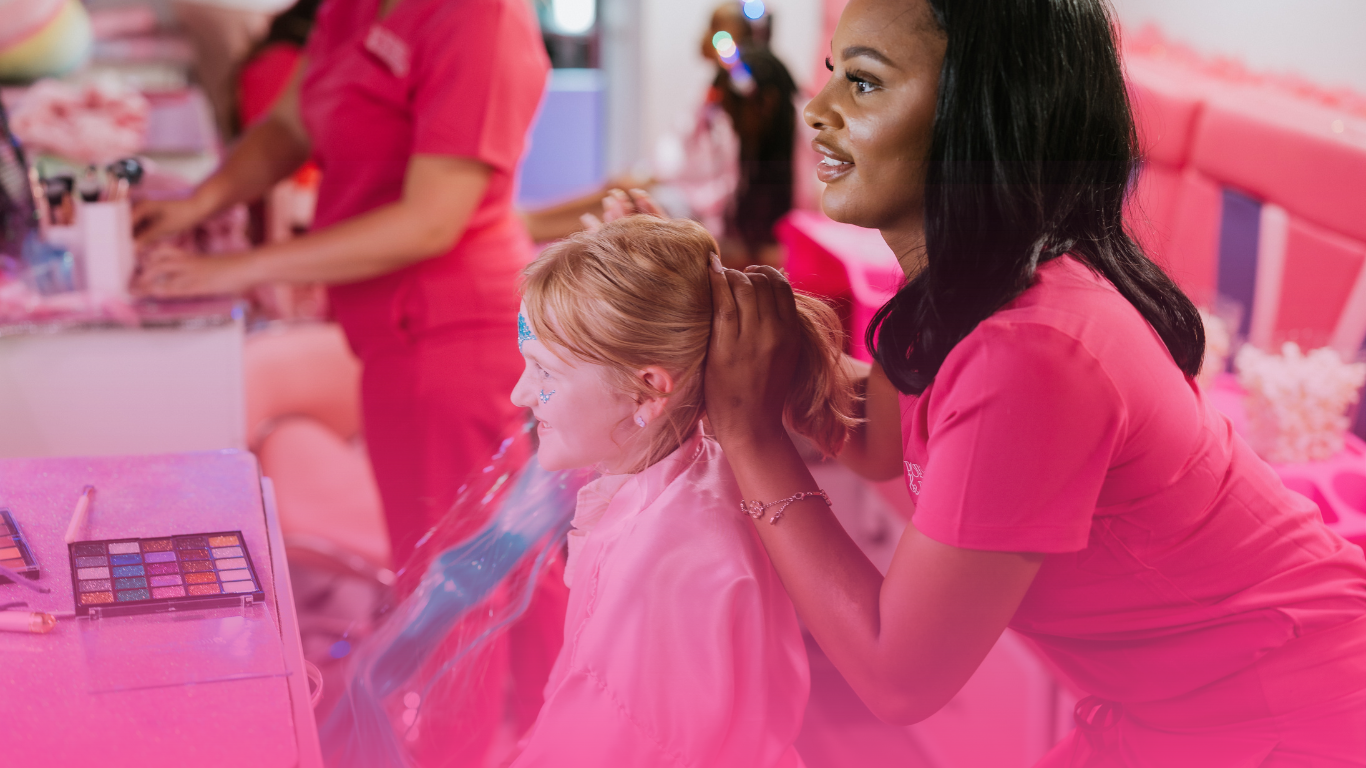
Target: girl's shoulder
x,y
694,522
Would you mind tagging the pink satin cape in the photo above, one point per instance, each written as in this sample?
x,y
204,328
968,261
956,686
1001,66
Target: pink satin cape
x,y
681,646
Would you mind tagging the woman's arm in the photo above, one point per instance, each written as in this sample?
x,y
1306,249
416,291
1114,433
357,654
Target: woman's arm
x,y
906,643
271,150
440,194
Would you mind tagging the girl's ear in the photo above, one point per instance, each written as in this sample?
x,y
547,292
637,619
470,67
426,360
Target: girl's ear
x,y
660,380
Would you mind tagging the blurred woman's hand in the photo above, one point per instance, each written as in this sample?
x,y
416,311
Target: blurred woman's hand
x,y
755,344
619,203
155,219
168,272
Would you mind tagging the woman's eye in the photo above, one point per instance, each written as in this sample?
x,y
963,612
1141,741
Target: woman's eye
x,y
829,65
860,85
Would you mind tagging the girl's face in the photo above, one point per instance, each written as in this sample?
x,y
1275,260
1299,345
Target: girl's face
x,y
582,419
874,117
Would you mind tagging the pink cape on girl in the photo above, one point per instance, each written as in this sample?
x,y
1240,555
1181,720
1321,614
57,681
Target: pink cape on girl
x,y
681,646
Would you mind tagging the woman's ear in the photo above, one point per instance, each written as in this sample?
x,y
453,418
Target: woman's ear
x,y
660,380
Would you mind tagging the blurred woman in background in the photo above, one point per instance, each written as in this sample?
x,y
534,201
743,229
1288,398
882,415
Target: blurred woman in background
x,y
733,170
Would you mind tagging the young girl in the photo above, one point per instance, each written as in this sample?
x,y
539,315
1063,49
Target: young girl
x,y
680,646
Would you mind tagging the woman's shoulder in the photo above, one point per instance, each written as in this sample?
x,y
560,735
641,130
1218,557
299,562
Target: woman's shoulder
x,y
1069,314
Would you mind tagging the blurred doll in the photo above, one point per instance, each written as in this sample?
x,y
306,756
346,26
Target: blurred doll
x,y
681,646
732,170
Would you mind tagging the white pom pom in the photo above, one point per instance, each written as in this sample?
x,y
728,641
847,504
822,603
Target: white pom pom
x,y
1297,403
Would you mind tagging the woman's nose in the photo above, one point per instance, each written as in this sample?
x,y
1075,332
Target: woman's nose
x,y
818,113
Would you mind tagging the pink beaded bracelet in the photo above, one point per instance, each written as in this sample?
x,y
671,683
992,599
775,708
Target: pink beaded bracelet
x,y
755,509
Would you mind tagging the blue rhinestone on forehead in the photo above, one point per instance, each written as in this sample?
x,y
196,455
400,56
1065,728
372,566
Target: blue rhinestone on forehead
x,y
524,333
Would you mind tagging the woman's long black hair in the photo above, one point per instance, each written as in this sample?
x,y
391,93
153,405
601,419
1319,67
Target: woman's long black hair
x,y
1032,155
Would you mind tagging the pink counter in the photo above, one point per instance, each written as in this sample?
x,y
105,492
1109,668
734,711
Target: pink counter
x,y
217,687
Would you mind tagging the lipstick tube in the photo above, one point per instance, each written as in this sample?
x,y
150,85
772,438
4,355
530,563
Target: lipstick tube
x,y
27,621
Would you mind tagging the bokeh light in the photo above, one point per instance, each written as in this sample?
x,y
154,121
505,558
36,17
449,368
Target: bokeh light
x,y
574,17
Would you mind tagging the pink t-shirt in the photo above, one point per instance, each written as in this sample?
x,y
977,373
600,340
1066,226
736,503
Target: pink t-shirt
x,y
462,79
1061,425
681,647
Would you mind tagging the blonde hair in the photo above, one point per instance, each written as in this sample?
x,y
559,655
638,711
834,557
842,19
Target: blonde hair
x,y
637,293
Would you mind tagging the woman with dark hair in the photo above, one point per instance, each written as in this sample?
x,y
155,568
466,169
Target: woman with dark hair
x,y
1069,480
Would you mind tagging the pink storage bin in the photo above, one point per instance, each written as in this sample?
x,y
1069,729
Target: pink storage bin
x,y
1166,107
843,262
1191,254
1173,213
1337,486
1320,288
1151,208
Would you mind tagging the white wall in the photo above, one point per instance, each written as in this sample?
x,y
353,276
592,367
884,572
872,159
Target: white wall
x,y
673,76
1321,40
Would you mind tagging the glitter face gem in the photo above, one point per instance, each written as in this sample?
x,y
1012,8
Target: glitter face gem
x,y
545,396
524,335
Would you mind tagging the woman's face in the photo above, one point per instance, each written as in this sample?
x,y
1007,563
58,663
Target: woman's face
x,y
874,117
582,419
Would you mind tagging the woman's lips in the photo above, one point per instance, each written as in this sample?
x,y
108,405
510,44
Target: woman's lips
x,y
833,165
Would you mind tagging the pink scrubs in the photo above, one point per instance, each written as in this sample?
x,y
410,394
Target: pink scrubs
x,y
1212,616
437,339
681,646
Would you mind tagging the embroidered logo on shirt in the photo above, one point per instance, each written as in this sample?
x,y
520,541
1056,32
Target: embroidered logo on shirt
x,y
388,48
914,474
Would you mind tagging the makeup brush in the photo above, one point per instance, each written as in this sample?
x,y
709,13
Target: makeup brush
x,y
78,516
22,581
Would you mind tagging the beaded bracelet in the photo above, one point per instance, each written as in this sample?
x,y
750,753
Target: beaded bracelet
x,y
755,509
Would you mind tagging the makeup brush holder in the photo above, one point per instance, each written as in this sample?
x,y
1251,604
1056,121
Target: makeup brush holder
x,y
106,247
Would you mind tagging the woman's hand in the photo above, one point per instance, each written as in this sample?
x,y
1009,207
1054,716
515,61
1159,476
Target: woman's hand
x,y
755,343
169,272
155,219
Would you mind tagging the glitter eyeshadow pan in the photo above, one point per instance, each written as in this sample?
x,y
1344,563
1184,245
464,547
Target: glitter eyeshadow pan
x,y
169,573
15,553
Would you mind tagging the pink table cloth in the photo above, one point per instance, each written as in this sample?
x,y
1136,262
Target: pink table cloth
x,y
217,687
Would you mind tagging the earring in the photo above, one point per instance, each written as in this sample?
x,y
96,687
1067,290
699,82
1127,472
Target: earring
x,y
640,422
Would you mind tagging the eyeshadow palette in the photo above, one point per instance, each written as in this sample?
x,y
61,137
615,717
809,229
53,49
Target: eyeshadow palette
x,y
171,573
14,551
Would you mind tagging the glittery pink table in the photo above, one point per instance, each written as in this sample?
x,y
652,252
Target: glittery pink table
x,y
198,688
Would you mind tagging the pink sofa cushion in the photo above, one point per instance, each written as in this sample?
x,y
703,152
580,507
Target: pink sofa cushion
x,y
1309,158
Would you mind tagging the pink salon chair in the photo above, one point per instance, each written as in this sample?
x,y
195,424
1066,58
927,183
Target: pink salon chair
x,y
303,421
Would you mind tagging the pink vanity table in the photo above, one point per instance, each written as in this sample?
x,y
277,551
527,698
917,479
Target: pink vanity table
x,y
224,686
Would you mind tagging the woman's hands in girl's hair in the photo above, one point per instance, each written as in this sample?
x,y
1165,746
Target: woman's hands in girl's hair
x,y
753,355
619,203
169,272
